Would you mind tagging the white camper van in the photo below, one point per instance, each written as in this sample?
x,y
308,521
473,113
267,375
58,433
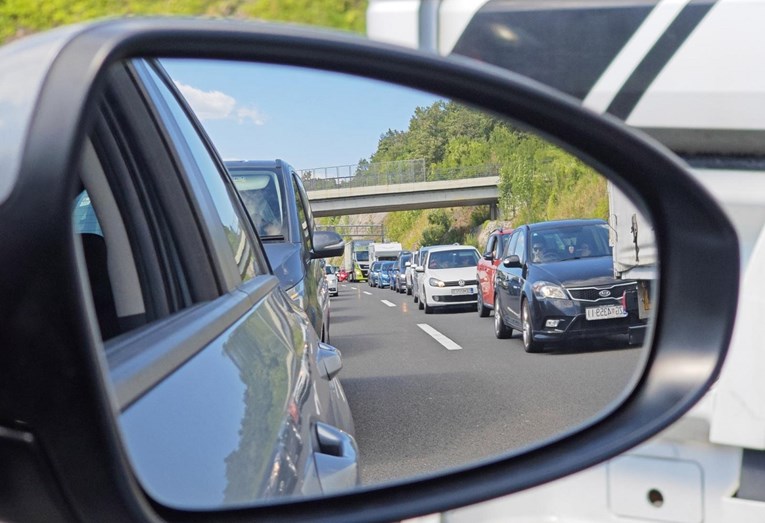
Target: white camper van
x,y
690,75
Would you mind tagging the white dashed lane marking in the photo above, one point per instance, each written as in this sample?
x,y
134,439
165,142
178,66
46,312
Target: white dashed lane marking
x,y
440,338
389,304
367,293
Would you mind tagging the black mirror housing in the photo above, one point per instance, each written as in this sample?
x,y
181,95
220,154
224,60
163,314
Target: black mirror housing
x,y
512,261
90,475
327,244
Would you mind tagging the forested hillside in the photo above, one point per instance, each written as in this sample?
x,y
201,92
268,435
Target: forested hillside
x,y
538,181
20,17
445,140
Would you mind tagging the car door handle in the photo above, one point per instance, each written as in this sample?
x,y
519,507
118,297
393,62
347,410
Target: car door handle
x,y
330,361
336,459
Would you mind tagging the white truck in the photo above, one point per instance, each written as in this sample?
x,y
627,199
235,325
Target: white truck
x,y
633,244
356,259
689,74
387,251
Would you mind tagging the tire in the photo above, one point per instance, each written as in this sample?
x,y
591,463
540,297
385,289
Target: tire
x,y
501,330
420,305
416,298
529,345
428,308
483,310
408,290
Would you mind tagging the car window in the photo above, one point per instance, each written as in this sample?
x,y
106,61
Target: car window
x,y
491,244
501,244
510,246
84,216
304,214
520,246
213,177
261,193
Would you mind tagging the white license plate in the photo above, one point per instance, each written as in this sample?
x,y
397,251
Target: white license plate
x,y
606,312
464,290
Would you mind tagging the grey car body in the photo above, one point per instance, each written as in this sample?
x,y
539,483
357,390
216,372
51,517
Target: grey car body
x,y
288,233
185,341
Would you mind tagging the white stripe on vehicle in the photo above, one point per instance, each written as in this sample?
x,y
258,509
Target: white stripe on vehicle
x,y
616,74
440,338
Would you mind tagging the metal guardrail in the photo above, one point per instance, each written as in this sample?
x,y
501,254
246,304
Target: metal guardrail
x,y
363,231
387,173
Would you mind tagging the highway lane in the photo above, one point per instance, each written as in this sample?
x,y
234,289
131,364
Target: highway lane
x,y
422,405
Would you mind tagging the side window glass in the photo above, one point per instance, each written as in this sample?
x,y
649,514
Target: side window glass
x,y
520,246
490,245
304,216
84,216
510,246
231,222
500,246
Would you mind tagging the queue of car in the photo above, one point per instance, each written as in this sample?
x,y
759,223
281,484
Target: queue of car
x,y
551,281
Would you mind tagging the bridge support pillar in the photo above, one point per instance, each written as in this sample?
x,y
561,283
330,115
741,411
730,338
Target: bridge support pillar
x,y
493,211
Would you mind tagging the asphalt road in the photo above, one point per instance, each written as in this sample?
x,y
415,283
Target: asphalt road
x,y
421,406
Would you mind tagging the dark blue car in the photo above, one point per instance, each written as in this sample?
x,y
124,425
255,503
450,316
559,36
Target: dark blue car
x,y
386,274
556,283
374,274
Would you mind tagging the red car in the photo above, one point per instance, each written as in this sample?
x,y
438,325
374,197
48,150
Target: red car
x,y
342,274
487,267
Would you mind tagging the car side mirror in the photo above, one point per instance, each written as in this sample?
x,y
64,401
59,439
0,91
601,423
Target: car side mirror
x,y
512,262
407,264
327,244
488,256
688,331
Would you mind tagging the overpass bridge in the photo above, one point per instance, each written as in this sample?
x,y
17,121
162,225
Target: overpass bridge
x,y
405,187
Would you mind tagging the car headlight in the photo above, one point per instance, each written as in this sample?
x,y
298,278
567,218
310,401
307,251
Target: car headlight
x,y
434,282
545,289
297,293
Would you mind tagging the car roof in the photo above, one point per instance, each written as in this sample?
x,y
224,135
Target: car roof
x,y
262,164
539,226
441,248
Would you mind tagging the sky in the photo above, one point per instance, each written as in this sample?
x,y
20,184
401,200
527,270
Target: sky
x,y
309,118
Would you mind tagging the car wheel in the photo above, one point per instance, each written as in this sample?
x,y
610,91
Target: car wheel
x,y
529,345
428,308
408,290
483,310
416,298
420,304
501,330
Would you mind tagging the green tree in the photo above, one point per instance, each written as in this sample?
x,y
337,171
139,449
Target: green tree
x,y
21,17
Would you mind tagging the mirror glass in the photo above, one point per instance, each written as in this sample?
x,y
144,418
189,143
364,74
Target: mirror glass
x,y
464,360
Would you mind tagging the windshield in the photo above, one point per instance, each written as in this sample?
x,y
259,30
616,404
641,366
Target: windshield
x,y
455,259
362,255
569,242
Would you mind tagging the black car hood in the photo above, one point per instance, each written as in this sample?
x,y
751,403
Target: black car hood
x,y
285,261
580,272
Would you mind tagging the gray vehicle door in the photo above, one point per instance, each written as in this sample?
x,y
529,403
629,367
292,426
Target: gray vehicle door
x,y
215,372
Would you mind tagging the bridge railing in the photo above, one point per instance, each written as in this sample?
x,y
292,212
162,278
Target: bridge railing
x,y
387,173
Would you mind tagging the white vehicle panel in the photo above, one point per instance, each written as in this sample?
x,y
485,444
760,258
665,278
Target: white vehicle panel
x,y
708,85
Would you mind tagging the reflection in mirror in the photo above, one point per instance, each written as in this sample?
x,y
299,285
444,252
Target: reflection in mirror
x,y
448,357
